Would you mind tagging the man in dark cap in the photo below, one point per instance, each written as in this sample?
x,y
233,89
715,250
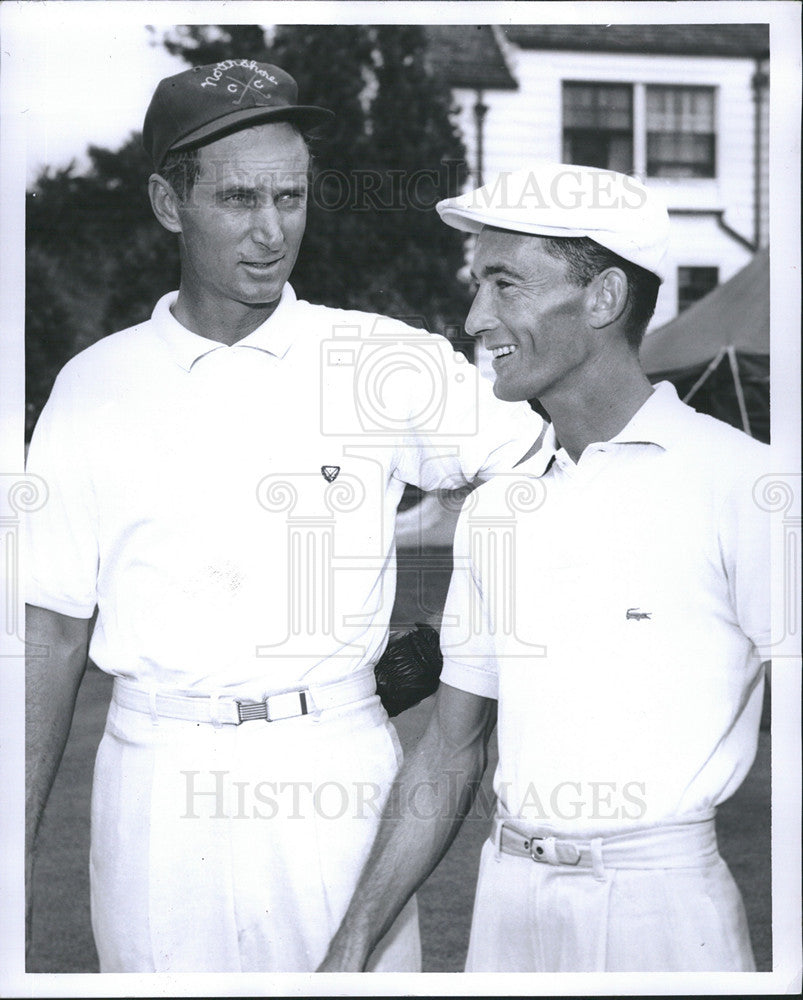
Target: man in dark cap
x,y
610,604
223,482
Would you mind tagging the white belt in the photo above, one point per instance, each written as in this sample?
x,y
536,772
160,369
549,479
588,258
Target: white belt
x,y
679,845
234,711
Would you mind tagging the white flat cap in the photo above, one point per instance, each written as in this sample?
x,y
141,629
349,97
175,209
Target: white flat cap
x,y
559,199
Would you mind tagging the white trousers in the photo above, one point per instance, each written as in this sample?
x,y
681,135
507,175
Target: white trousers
x,y
237,848
536,917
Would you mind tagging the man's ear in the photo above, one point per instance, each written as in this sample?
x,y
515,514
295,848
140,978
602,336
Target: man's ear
x,y
164,203
608,297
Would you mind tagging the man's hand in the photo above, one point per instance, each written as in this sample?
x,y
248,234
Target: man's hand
x,y
339,959
441,778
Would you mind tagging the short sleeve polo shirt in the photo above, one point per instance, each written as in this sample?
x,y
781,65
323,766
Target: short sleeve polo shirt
x,y
616,607
230,510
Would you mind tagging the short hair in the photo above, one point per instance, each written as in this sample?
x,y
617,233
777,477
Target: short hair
x,y
181,169
586,259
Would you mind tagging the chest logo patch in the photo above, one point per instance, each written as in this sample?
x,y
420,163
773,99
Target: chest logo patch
x,y
330,472
636,615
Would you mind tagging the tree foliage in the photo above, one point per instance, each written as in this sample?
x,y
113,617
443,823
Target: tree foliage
x,y
97,259
373,240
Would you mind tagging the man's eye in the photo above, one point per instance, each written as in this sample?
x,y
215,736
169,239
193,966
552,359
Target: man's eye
x,y
501,283
290,197
238,198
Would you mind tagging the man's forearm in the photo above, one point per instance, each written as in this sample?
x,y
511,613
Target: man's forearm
x,y
422,816
55,664
428,802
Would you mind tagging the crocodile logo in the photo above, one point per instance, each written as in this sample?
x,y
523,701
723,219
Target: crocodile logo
x,y
637,616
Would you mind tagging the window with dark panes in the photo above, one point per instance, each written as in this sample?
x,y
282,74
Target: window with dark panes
x,y
681,138
694,283
598,125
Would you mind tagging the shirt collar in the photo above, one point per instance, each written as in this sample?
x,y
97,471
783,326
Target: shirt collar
x,y
274,336
659,421
538,463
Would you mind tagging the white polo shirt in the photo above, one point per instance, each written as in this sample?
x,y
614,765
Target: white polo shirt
x,y
189,493
614,607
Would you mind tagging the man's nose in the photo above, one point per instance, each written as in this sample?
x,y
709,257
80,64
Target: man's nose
x,y
266,227
480,318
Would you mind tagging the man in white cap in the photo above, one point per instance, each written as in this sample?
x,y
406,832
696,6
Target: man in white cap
x,y
222,487
610,601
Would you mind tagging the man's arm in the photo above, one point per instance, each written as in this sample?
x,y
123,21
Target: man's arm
x,y
429,800
56,661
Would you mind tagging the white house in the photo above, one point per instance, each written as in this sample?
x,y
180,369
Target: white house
x,y
683,107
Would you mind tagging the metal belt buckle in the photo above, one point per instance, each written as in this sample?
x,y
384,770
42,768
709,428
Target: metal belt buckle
x,y
248,711
536,848
549,851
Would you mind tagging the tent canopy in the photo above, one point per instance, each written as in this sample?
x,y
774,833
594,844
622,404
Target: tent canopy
x,y
736,314
717,352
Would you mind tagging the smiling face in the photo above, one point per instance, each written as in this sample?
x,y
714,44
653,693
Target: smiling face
x,y
529,316
242,224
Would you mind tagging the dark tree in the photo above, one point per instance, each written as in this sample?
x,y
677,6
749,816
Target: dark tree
x,y
96,261
374,240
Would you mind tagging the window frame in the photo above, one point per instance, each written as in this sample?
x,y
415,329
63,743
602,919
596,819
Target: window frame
x,y
639,133
568,130
711,158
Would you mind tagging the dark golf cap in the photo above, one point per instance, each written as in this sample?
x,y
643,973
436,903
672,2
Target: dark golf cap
x,y
204,103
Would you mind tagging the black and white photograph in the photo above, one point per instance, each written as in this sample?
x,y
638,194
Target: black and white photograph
x,y
400,500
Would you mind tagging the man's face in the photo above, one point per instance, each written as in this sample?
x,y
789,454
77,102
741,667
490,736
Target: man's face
x,y
243,221
529,315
